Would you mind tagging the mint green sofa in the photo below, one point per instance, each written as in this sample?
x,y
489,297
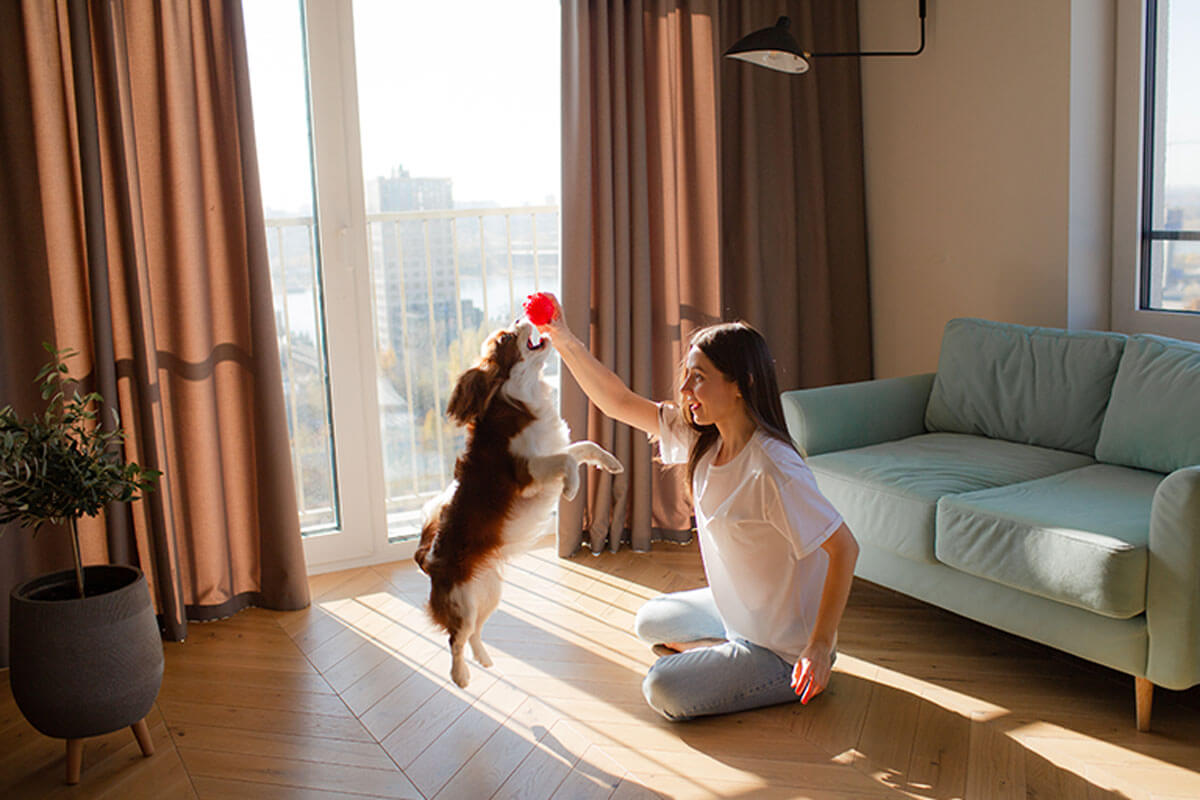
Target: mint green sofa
x,y
1045,482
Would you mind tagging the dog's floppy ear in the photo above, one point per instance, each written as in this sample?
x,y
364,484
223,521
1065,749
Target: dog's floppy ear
x,y
472,395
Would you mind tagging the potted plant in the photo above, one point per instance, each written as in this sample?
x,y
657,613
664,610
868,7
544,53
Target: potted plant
x,y
85,651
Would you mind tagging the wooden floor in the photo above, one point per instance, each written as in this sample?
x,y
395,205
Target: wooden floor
x,y
351,698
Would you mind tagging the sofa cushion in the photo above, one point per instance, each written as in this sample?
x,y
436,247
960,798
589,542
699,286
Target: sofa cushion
x,y
1153,419
888,492
1077,537
1040,386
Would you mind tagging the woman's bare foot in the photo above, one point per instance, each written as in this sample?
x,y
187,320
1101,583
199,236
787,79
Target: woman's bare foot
x,y
680,647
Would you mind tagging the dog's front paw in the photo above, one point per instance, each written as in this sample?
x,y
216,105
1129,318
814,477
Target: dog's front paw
x,y
571,482
609,463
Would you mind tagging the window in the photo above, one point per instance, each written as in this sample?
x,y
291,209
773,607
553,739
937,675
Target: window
x,y
1170,246
284,137
410,199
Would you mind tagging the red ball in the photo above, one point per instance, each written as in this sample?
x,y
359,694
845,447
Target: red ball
x,y
539,308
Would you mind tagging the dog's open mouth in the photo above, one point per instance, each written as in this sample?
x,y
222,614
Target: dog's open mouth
x,y
538,345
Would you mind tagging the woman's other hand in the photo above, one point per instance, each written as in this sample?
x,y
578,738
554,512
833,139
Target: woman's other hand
x,y
811,674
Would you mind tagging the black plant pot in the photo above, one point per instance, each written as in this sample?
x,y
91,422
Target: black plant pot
x,y
84,667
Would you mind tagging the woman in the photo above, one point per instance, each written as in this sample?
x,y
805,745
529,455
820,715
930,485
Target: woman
x,y
778,557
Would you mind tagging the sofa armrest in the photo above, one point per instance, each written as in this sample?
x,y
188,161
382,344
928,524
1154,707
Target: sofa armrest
x,y
857,414
1173,581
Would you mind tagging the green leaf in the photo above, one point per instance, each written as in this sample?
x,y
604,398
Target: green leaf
x,y
61,464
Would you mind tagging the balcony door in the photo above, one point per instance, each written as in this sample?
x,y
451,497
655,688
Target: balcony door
x,y
409,158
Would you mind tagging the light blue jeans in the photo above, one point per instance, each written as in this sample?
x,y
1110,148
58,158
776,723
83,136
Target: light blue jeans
x,y
735,675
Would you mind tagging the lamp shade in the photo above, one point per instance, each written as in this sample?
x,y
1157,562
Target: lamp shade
x,y
773,47
776,48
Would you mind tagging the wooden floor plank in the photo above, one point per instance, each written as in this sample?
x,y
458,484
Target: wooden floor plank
x,y
355,664
248,675
274,771
888,731
432,718
436,764
595,776
492,764
774,769
400,703
548,764
938,765
283,745
996,765
229,789
214,692
298,723
157,777
630,789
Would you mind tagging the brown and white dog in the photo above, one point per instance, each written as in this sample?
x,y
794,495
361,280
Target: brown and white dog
x,y
518,461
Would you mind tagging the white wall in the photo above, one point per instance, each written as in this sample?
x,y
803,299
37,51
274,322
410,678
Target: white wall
x,y
988,168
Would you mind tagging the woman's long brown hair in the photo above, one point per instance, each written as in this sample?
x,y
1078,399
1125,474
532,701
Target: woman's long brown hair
x,y
741,354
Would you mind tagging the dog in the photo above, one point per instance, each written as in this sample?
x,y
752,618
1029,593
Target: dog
x,y
517,463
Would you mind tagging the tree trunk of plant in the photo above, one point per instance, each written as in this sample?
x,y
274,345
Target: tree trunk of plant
x,y
78,558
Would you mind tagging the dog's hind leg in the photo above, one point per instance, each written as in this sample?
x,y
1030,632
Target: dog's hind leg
x,y
488,587
481,653
459,671
466,604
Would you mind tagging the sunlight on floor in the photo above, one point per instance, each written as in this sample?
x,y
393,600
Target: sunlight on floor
x,y
566,687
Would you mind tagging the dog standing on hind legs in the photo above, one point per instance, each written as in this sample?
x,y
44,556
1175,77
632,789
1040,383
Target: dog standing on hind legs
x,y
518,462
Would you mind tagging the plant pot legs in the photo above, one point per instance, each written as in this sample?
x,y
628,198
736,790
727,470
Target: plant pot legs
x,y
74,760
141,732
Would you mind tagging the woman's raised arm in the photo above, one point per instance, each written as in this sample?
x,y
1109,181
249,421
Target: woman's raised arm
x,y
602,386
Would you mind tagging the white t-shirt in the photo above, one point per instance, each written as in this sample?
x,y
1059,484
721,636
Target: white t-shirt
x,y
761,521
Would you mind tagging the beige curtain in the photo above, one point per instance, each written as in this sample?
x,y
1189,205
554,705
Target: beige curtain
x,y
131,231
640,243
793,210
697,189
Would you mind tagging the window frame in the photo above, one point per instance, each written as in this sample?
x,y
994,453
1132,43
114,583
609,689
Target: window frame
x,y
1130,171
340,214
1150,234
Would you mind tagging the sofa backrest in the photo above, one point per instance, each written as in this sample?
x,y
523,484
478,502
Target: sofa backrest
x,y
1042,386
1153,419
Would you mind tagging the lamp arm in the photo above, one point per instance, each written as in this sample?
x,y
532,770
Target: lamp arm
x,y
917,52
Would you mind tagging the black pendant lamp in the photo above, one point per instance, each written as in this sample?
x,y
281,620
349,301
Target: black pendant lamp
x,y
776,48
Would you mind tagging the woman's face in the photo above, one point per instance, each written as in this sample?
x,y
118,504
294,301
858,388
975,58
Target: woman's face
x,y
709,395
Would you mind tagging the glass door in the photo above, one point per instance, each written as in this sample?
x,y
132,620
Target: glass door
x,y
459,122
410,173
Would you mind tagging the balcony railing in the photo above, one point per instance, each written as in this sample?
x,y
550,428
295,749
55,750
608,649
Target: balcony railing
x,y
440,281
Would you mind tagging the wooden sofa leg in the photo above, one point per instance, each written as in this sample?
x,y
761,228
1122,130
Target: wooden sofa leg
x,y
1143,691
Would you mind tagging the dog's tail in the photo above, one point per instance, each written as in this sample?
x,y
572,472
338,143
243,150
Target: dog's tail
x,y
428,532
442,609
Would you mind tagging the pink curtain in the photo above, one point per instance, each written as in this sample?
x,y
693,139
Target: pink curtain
x,y
696,189
132,232
640,240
